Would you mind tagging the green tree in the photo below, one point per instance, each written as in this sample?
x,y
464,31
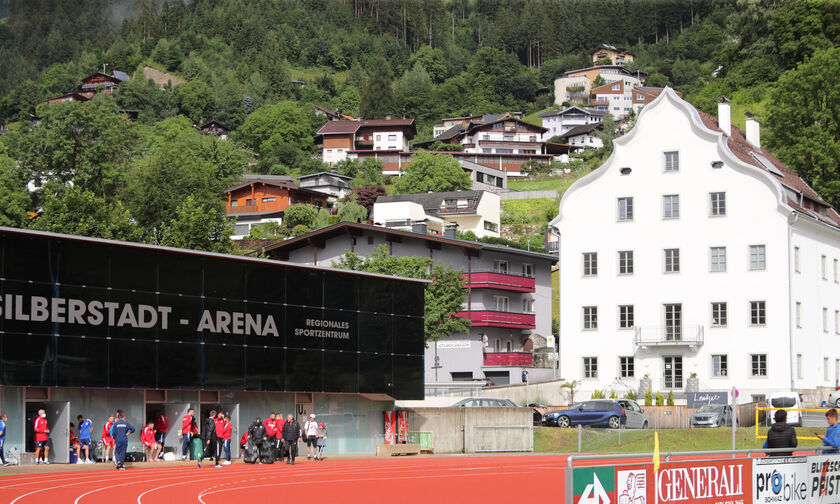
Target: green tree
x,y
432,172
803,115
377,96
199,225
352,212
195,99
369,173
414,96
607,133
444,295
14,197
300,215
432,60
657,79
282,122
79,211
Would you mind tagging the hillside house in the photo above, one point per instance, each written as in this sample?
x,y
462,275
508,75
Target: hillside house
x,y
617,55
476,211
559,121
340,140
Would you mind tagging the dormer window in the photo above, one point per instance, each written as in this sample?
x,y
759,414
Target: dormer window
x,y
616,87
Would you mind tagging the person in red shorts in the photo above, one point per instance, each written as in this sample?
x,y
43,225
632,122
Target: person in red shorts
x,y
150,445
107,440
42,438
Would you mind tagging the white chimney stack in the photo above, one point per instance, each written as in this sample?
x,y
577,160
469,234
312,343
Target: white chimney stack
x,y
724,116
753,132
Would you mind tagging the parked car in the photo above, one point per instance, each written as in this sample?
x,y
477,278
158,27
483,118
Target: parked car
x,y
636,418
785,400
484,402
597,412
834,399
712,415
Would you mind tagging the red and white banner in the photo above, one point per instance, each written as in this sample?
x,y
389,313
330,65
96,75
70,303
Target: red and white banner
x,y
402,426
390,427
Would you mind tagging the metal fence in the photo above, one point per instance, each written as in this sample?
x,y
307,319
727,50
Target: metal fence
x,y
503,438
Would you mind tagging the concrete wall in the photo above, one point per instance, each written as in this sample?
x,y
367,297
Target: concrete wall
x,y
455,428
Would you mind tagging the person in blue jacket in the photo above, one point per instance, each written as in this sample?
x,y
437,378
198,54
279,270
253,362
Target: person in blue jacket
x,y
85,426
831,440
3,437
120,431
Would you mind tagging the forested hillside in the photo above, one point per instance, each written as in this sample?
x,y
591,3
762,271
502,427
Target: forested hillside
x,y
414,58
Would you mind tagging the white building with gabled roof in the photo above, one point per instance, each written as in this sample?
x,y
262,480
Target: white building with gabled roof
x,y
692,251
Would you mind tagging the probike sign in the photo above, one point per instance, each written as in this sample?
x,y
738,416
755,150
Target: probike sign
x,y
780,479
824,479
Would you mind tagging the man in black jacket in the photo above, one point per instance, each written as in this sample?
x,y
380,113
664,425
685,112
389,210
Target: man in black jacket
x,y
208,435
781,435
291,435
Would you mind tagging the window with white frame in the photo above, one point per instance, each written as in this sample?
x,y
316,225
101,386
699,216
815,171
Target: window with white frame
x,y
825,320
836,272
625,316
758,259
796,260
672,161
671,206
500,266
497,346
836,321
717,256
502,303
528,270
590,263
673,321
719,365
719,314
590,317
626,367
672,260
590,367
758,364
799,369
625,209
527,305
625,262
825,369
824,267
798,313
717,204
758,313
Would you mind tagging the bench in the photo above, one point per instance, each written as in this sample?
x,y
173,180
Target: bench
x,y
398,449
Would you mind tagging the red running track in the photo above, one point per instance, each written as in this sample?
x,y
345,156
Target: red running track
x,y
393,481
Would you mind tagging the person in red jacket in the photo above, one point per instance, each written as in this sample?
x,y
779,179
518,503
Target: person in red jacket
x,y
107,440
271,430
42,437
161,427
150,445
279,422
189,428
223,434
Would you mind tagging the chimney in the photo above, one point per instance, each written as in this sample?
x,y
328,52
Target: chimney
x,y
754,132
387,117
450,233
419,228
724,116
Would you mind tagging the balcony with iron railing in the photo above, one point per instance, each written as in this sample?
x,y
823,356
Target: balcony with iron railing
x,y
492,279
669,336
494,318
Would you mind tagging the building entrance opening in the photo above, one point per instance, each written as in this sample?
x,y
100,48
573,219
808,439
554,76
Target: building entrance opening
x,y
673,372
58,419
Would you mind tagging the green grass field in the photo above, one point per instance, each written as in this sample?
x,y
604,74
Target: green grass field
x,y
530,211
532,117
556,440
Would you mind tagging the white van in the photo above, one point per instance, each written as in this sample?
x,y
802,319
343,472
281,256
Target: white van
x,y
788,401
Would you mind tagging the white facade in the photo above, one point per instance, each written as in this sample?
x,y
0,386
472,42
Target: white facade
x,y
588,140
737,241
559,122
482,217
389,140
333,156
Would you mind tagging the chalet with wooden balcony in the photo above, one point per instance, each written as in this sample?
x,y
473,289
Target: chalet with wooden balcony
x,y
91,86
508,298
617,55
340,139
264,198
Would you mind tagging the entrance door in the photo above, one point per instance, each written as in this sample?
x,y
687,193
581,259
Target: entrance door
x,y
58,417
673,372
174,414
234,428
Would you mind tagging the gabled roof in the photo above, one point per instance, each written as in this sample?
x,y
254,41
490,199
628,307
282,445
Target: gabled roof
x,y
214,123
122,76
332,113
432,202
609,47
581,130
75,95
621,68
331,174
558,112
487,119
291,186
106,76
608,88
345,228
348,127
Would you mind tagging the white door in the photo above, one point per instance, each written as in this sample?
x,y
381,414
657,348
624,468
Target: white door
x,y
234,428
174,414
58,417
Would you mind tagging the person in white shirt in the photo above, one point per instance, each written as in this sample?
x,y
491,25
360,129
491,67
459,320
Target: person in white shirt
x,y
310,430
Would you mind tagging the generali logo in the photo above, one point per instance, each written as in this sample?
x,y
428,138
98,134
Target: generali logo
x,y
703,483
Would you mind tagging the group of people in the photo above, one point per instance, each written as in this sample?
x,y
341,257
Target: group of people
x,y
783,435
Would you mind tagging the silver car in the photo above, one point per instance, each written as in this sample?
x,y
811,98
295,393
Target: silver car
x,y
636,418
712,415
834,399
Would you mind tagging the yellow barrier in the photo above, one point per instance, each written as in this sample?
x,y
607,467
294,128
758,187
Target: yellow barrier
x,y
764,408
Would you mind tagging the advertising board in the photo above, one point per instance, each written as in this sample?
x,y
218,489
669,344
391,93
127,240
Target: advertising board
x,y
824,479
780,479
